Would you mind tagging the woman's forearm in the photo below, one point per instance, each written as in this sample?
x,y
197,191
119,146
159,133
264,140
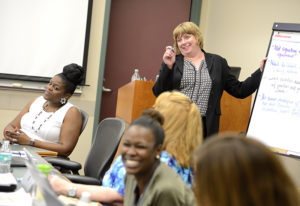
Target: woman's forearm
x,y
99,193
61,149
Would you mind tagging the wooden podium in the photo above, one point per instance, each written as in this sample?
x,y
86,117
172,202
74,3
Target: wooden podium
x,y
133,98
136,96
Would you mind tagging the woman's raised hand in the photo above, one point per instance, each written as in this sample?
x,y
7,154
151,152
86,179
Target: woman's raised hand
x,y
169,57
262,63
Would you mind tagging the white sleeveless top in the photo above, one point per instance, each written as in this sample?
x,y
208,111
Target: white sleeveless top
x,y
41,125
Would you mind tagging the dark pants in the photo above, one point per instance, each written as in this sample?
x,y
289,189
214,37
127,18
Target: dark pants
x,y
204,127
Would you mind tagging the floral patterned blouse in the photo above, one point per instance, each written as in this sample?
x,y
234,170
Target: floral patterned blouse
x,y
114,177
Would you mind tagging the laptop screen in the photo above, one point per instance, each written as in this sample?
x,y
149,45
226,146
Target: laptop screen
x,y
42,182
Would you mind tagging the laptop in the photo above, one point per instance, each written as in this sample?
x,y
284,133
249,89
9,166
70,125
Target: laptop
x,y
42,182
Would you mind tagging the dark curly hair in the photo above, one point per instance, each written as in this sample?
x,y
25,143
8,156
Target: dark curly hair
x,y
72,75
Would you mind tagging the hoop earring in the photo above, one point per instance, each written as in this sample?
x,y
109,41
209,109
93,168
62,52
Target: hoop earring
x,y
63,100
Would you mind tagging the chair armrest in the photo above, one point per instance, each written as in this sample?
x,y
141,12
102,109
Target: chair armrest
x,y
64,163
83,179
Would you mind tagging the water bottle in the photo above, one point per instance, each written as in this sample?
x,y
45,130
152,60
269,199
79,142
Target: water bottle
x,y
136,75
5,157
156,78
37,194
84,199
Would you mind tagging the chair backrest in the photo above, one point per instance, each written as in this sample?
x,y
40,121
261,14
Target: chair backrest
x,y
85,118
104,147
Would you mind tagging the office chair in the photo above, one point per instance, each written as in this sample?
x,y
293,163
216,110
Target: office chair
x,y
104,147
85,118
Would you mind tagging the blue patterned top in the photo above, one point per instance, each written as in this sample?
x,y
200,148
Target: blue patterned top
x,y
115,176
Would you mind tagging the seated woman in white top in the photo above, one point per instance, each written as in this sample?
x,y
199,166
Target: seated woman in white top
x,y
50,121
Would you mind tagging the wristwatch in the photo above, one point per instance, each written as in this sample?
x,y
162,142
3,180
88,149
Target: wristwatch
x,y
72,192
31,142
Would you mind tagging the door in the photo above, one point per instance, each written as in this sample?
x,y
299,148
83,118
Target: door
x,y
138,32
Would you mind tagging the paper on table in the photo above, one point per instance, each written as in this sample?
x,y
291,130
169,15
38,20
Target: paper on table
x,y
8,182
19,197
7,179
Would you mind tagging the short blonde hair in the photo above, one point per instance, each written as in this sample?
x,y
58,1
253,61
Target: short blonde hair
x,y
187,28
183,125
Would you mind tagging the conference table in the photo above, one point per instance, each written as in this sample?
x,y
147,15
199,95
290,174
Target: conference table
x,y
19,172
24,176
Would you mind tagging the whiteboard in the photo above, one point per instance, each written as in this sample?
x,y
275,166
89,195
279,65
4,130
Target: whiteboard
x,y
275,116
39,37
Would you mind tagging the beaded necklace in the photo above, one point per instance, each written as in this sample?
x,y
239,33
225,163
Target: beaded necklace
x,y
36,130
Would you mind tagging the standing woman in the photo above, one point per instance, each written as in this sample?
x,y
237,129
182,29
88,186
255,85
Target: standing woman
x,y
201,76
50,121
238,171
148,181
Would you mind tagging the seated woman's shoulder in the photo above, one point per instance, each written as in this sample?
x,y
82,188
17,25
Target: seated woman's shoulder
x,y
73,113
75,109
170,185
168,174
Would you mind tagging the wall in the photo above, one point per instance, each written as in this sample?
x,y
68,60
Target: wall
x,y
240,30
13,101
129,18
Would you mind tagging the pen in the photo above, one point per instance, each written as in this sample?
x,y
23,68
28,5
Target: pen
x,y
17,153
